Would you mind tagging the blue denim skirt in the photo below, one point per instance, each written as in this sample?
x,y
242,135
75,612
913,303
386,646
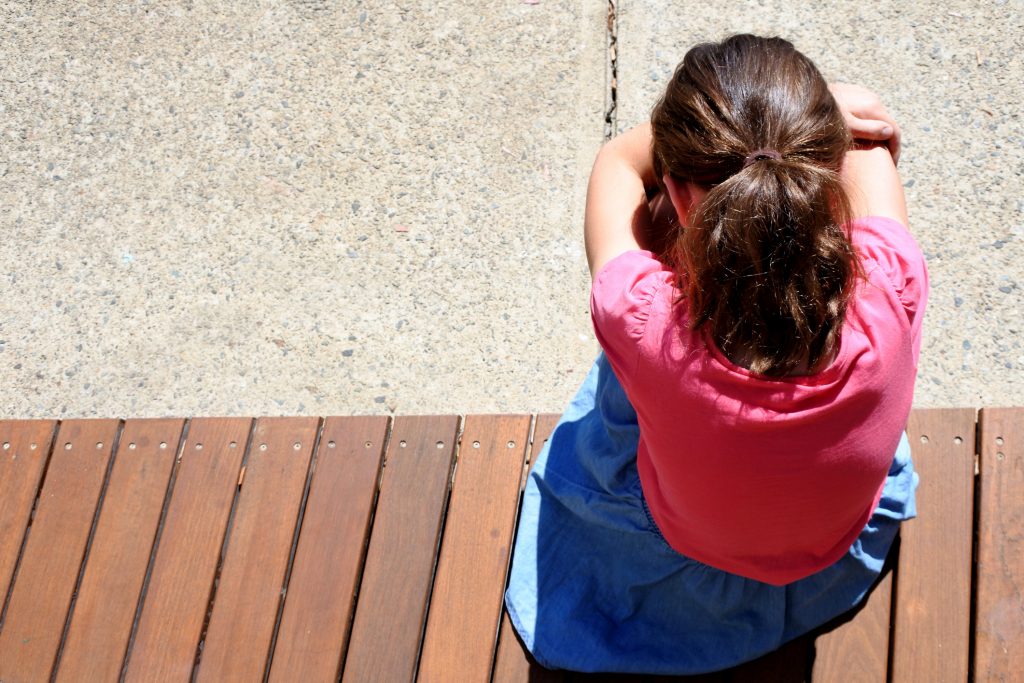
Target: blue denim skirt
x,y
594,586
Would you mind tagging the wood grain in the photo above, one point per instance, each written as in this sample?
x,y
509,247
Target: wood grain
x,y
396,583
24,450
466,602
933,583
54,549
125,531
999,629
245,604
315,624
929,594
175,602
512,661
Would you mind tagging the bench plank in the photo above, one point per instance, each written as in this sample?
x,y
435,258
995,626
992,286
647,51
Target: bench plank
x,y
857,648
55,548
788,664
933,582
315,625
100,533
466,602
247,597
175,601
512,662
392,603
25,449
999,630
112,581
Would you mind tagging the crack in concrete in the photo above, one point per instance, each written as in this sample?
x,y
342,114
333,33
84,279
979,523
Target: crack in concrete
x,y
611,113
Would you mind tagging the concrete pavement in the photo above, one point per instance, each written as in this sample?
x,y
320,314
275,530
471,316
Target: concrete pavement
x,y
314,207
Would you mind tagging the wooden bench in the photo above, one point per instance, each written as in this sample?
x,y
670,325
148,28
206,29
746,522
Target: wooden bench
x,y
377,549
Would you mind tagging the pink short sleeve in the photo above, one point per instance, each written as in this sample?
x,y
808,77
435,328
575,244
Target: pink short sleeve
x,y
893,248
620,303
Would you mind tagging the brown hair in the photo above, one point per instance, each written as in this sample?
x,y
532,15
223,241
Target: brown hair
x,y
765,262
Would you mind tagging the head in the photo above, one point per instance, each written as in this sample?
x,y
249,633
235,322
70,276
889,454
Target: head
x,y
762,255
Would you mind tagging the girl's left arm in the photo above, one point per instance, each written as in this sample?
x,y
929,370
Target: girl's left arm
x,y
617,217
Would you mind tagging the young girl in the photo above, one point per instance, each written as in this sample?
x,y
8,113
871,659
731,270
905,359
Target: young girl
x,y
734,469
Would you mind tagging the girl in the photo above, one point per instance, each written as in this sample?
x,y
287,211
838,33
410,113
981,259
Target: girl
x,y
733,470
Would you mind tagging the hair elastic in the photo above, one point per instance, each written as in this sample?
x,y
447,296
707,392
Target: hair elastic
x,y
759,154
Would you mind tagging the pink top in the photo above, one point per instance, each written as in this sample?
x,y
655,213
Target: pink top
x,y
772,479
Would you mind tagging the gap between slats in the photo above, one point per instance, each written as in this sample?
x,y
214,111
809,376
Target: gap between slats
x,y
178,452
972,618
386,446
527,461
88,546
894,552
291,552
519,656
28,526
945,531
223,552
409,522
457,446
999,605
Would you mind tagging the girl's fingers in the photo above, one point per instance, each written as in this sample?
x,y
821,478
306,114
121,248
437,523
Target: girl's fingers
x,y
870,130
876,125
877,130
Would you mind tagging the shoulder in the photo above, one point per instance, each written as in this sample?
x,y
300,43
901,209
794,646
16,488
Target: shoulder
x,y
628,283
622,296
887,243
887,247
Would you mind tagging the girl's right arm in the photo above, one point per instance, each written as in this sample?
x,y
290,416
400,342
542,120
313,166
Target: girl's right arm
x,y
617,216
869,170
624,196
873,185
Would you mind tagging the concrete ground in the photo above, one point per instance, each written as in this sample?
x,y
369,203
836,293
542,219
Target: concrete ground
x,y
321,207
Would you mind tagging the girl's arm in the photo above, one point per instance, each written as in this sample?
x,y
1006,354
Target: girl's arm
x,y
869,170
617,217
872,183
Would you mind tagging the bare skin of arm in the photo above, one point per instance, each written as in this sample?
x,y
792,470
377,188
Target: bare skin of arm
x,y
617,217
872,183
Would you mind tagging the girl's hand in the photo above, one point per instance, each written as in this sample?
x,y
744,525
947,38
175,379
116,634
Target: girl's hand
x,y
866,116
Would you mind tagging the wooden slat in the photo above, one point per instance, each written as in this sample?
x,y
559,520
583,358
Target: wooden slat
x,y
933,583
403,543
466,602
321,591
512,662
857,648
108,597
24,448
54,549
246,601
999,630
175,601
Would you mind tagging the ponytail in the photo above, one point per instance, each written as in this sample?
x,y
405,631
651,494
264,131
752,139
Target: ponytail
x,y
765,263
